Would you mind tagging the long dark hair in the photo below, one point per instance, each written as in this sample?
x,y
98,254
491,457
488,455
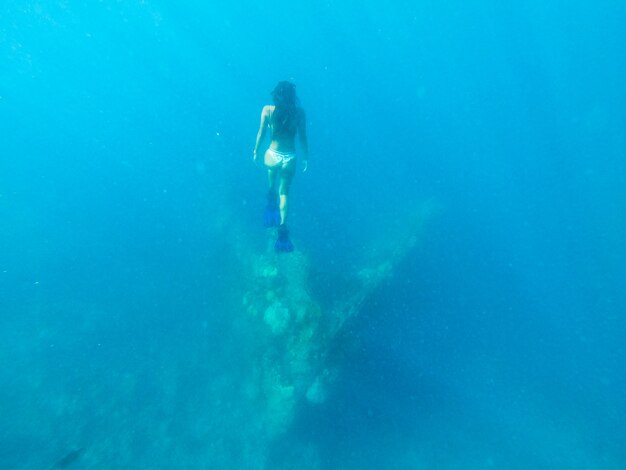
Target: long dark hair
x,y
285,114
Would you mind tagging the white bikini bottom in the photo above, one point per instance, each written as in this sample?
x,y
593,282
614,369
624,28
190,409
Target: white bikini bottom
x,y
279,158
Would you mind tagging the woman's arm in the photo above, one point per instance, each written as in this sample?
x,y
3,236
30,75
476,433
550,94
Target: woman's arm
x,y
262,129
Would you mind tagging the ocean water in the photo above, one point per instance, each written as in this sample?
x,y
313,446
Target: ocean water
x,y
458,292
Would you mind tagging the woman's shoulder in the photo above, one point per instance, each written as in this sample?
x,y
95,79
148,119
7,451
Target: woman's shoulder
x,y
266,112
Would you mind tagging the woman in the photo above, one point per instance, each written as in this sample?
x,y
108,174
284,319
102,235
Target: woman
x,y
285,119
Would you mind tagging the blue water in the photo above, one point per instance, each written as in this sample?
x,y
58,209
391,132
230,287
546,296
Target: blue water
x,y
127,134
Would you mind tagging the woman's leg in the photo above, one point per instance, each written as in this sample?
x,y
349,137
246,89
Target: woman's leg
x,y
271,215
285,177
271,179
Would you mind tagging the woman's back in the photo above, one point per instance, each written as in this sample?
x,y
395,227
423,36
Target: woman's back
x,y
284,123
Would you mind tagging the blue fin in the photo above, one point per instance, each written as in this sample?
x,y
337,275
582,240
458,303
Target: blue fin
x,y
271,216
283,244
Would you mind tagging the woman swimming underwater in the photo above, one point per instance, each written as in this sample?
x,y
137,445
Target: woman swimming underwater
x,y
285,119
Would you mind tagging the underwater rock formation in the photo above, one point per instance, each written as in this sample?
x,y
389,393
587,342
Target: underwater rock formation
x,y
294,335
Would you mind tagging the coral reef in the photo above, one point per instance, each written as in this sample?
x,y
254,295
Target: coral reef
x,y
294,334
219,390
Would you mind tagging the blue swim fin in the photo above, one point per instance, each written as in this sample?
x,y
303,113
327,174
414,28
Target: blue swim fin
x,y
271,216
283,244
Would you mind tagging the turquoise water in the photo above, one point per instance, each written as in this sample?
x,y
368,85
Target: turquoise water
x,y
459,283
